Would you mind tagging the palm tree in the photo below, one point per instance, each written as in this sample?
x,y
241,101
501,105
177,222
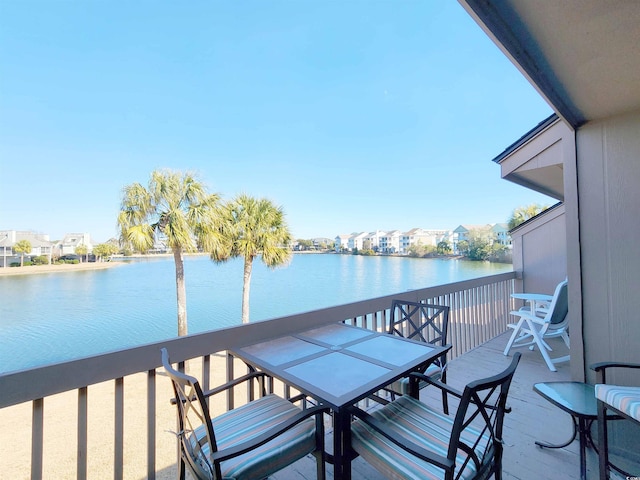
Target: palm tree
x,y
81,250
177,206
522,214
22,247
443,247
256,227
104,250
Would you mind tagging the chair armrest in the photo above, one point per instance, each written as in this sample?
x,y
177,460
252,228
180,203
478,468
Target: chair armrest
x,y
521,313
227,386
233,383
404,443
450,390
528,315
601,368
269,435
602,365
436,383
541,308
537,320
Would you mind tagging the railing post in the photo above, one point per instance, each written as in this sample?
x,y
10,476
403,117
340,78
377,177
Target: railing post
x,y
151,424
37,438
82,433
230,399
206,375
118,443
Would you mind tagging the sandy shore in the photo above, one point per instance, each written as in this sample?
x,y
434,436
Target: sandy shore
x,y
78,267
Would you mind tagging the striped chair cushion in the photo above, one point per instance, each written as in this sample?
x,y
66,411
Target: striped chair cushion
x,y
420,424
623,399
249,421
402,386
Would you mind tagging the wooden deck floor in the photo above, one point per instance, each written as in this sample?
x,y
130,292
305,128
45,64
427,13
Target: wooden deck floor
x,y
532,418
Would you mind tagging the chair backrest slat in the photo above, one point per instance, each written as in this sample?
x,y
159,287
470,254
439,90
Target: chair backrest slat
x,y
419,321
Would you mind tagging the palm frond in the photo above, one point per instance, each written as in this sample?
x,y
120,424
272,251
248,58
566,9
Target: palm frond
x,y
140,237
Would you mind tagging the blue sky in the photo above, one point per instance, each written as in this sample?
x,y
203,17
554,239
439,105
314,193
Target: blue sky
x,y
351,115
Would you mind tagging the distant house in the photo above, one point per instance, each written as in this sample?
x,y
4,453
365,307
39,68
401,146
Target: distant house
x,y
372,240
40,245
71,241
415,236
160,244
501,234
356,241
495,233
342,243
420,236
462,232
443,236
321,243
390,242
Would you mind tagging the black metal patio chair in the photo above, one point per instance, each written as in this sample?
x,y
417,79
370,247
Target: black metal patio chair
x,y
252,441
409,439
422,322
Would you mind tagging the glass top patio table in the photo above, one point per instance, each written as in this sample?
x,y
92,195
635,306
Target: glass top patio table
x,y
338,365
578,400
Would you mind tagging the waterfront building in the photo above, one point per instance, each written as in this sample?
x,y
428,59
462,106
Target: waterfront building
x,y
355,242
372,241
40,245
71,241
342,243
420,236
390,242
500,234
463,234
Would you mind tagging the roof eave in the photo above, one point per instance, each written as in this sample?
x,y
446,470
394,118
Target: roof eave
x,y
511,35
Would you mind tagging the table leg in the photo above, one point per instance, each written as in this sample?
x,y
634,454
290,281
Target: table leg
x,y
568,442
342,445
582,428
414,390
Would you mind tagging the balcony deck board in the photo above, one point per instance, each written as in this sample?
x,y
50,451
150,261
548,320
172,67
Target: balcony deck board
x,y
533,418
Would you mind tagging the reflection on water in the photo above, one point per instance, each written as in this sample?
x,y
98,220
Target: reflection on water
x,y
48,318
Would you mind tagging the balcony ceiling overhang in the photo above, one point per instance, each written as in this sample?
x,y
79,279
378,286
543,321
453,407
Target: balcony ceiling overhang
x,y
546,180
536,160
581,55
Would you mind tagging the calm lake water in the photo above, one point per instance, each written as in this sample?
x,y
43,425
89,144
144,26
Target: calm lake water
x,y
49,318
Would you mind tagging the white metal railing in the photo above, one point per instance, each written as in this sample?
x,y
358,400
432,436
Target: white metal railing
x,y
478,312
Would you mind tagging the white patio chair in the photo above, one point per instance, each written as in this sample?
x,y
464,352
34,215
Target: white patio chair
x,y
532,329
